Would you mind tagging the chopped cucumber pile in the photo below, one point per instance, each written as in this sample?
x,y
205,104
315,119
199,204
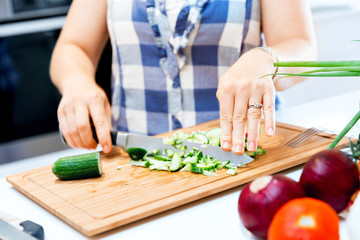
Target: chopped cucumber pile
x,y
193,161
210,137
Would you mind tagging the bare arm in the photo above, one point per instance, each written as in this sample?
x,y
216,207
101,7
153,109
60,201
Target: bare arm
x,y
288,30
73,66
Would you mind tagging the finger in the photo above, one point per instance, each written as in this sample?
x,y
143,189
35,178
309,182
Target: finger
x,y
254,117
269,113
73,130
109,113
65,129
226,114
239,124
101,123
84,128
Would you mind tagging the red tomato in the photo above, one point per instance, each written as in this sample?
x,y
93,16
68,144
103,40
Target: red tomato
x,y
305,219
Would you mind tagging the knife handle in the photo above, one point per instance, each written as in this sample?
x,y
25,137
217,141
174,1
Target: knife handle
x,y
34,229
113,135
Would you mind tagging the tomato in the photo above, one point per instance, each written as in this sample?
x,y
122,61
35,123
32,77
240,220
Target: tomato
x,y
304,219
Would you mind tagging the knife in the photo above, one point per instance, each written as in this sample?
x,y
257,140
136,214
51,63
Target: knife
x,y
129,140
27,227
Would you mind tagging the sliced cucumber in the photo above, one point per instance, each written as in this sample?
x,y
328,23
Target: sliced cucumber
x,y
78,167
190,160
139,163
195,169
209,173
159,167
260,151
193,159
168,152
162,158
175,162
214,136
213,133
232,171
187,168
158,162
136,153
198,137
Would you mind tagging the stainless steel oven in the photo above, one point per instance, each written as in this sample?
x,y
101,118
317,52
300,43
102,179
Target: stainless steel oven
x,y
16,10
29,30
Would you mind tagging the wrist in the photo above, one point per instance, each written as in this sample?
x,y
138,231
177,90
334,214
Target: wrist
x,y
275,58
76,82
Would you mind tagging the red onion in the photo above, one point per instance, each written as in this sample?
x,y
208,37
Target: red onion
x,y
260,200
330,176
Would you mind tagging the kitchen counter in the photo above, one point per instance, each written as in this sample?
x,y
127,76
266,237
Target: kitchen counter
x,y
213,217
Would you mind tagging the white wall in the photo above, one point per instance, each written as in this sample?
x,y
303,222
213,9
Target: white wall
x,y
336,22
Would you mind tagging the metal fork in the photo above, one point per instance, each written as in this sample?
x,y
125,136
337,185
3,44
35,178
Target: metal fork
x,y
306,134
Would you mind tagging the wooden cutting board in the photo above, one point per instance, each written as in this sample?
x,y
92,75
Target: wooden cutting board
x,y
96,205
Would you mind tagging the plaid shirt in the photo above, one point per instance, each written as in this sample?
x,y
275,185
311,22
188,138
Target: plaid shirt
x,y
164,80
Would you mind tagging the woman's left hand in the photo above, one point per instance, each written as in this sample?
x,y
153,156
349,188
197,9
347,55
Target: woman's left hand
x,y
239,88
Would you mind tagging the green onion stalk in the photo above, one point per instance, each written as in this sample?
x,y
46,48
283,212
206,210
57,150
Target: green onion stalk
x,y
326,69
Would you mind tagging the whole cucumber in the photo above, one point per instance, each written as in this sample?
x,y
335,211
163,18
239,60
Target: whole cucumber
x,y
78,167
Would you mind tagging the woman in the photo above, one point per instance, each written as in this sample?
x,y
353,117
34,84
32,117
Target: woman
x,y
176,64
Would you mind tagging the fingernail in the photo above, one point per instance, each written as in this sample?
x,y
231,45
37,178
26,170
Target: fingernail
x,y
226,144
237,148
106,148
251,146
270,131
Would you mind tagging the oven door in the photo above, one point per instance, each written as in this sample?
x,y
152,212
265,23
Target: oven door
x,y
28,99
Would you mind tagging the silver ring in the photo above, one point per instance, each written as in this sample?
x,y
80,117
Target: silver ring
x,y
255,105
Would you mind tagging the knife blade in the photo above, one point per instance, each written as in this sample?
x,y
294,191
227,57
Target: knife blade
x,y
9,232
128,140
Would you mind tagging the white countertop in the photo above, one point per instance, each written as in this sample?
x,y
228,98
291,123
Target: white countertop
x,y
214,217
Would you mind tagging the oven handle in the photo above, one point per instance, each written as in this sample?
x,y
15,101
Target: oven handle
x,y
31,26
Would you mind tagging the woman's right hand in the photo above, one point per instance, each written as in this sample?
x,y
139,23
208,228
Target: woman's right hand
x,y
80,102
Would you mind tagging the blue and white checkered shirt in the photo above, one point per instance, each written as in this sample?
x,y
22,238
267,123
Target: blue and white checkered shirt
x,y
164,80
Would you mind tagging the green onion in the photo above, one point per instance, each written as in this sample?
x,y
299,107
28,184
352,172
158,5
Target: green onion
x,y
345,130
317,64
326,69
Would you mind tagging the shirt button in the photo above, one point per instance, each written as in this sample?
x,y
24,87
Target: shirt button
x,y
177,123
163,53
175,85
184,11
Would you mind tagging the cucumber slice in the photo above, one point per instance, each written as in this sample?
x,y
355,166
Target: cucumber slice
x,y
232,171
209,173
213,133
136,153
198,137
206,167
189,160
158,162
78,167
168,152
159,167
195,169
175,162
214,136
214,142
187,168
161,158
260,151
139,163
